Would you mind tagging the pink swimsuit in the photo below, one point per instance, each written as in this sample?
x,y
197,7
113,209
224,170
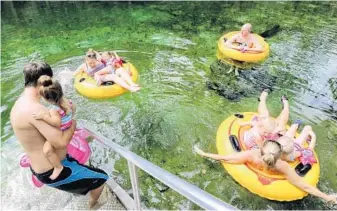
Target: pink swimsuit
x,y
307,155
66,119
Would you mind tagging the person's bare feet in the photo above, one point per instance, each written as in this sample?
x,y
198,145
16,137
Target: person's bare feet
x,y
236,71
56,172
264,95
134,88
231,70
284,101
283,98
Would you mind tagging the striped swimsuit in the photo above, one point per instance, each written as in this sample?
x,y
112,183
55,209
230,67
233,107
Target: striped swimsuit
x,y
66,119
91,71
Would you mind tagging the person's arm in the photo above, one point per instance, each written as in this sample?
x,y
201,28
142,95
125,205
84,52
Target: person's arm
x,y
237,158
115,55
229,43
59,139
52,117
297,181
253,50
257,48
79,70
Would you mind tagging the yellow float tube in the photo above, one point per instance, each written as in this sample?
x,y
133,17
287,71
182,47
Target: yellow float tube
x,y
267,184
225,53
86,85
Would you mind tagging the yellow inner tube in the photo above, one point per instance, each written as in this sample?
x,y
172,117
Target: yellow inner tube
x,y
86,85
267,184
239,64
224,52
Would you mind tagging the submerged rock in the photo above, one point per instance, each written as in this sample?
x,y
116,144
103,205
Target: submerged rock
x,y
231,87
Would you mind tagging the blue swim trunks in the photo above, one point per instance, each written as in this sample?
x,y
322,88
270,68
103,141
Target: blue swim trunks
x,y
75,177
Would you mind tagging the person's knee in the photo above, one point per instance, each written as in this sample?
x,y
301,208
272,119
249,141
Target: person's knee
x,y
119,71
113,77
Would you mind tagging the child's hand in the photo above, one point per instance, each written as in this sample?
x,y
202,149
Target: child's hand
x,y
332,199
38,115
244,49
198,151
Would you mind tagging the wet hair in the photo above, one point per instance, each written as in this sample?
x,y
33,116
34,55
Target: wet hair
x,y
34,70
91,54
110,53
51,91
271,152
116,59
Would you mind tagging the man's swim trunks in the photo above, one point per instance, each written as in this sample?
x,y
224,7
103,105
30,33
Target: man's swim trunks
x,y
75,177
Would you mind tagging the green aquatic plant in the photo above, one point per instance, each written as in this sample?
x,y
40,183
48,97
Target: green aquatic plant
x,y
333,87
173,45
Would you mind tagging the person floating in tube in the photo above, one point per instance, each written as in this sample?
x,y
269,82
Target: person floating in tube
x,y
244,42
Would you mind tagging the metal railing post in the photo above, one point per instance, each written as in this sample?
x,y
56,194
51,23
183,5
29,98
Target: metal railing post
x,y
184,188
135,184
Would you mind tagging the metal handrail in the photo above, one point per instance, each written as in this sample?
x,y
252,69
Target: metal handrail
x,y
186,189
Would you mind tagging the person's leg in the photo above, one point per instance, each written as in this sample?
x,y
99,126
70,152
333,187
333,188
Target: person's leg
x,y
282,119
121,82
304,135
291,132
101,74
262,108
126,76
50,154
236,71
237,158
231,69
94,195
78,179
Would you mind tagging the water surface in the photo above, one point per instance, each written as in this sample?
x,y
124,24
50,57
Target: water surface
x,y
173,45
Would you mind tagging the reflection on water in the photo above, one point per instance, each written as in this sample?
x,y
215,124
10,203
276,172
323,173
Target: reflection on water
x,y
185,94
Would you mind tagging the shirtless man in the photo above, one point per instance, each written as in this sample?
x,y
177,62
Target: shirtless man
x,y
32,134
246,42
